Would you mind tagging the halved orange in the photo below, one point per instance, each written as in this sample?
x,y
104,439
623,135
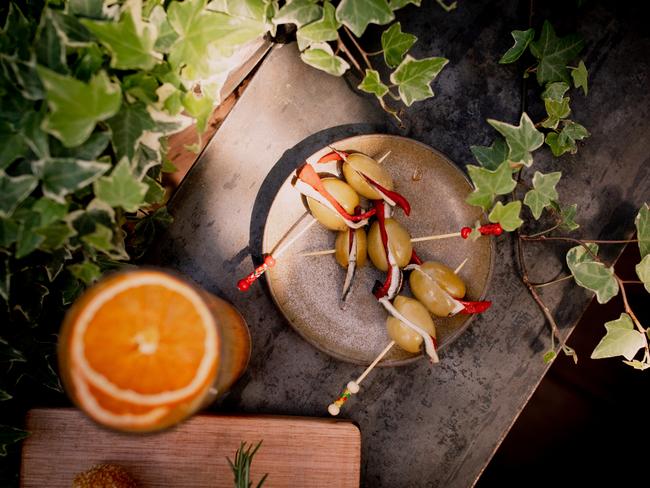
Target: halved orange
x,y
139,350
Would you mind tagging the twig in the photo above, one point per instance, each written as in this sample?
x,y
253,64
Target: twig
x,y
552,282
629,311
348,54
363,53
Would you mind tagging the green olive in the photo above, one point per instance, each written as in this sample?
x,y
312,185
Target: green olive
x,y
399,241
360,163
342,193
404,336
435,285
342,247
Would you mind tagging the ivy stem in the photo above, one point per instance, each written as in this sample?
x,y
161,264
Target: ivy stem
x,y
632,282
535,237
552,282
629,311
348,54
550,229
363,53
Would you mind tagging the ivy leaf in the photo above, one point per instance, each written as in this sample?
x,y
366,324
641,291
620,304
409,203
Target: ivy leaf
x,y
565,141
567,216
398,4
580,76
101,239
127,127
298,12
642,222
200,107
325,29
357,14
396,44
201,31
77,106
87,8
13,146
62,176
89,150
543,192
87,272
4,396
10,435
49,45
13,190
413,78
549,356
166,34
554,53
121,188
9,354
636,364
521,139
643,271
156,192
621,340
507,215
591,274
55,235
491,157
372,83
522,39
322,57
556,104
130,41
488,184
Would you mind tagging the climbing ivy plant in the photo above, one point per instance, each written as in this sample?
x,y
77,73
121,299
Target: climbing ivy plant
x,y
505,169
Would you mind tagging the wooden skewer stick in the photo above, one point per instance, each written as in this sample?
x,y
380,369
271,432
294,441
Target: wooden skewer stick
x,y
383,158
460,266
353,386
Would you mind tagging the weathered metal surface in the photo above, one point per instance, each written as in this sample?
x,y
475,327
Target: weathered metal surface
x,y
421,426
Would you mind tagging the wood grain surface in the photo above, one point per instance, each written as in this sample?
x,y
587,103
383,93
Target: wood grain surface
x,y
296,452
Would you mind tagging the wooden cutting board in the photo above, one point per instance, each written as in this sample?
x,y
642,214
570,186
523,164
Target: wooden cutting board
x,y
296,451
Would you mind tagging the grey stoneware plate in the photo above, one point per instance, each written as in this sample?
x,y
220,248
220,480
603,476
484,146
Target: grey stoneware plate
x,y
307,289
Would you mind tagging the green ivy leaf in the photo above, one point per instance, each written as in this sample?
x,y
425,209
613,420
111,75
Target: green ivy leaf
x,y
522,139
121,188
549,356
642,222
591,274
101,238
9,354
554,53
643,271
55,235
491,157
13,190
357,14
8,232
49,44
62,176
413,78
89,150
325,29
322,57
128,126
298,12
636,364
77,106
567,216
621,340
200,107
522,39
156,192
130,41
92,9
167,36
580,76
4,396
372,83
13,146
200,31
489,183
565,141
398,4
10,435
543,192
556,104
507,215
396,44
87,272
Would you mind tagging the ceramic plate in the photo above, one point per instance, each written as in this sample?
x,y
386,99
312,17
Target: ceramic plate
x,y
307,289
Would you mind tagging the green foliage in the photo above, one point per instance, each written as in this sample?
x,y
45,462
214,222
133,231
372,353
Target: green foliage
x,y
322,57
643,271
489,183
10,435
357,14
522,40
413,77
491,157
241,466
642,223
507,215
554,53
522,139
396,44
543,192
579,76
591,274
372,83
324,29
622,339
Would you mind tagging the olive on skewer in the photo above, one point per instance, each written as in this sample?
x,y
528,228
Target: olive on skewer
x,y
344,194
406,337
399,243
437,287
351,252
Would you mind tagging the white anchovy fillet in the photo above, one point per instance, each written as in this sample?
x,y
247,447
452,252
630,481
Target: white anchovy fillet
x,y
388,210
352,266
428,341
395,276
458,307
310,192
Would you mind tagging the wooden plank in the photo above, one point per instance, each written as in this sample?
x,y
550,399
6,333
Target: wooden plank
x,y
296,451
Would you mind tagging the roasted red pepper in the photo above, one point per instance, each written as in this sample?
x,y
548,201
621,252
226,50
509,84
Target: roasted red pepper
x,y
308,174
393,195
415,259
382,291
333,156
475,307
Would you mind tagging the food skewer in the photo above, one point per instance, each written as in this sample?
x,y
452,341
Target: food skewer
x,y
488,229
353,387
270,258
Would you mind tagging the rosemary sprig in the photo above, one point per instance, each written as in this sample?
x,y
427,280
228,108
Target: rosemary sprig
x,y
241,467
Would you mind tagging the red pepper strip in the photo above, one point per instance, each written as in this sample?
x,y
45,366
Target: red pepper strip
x,y
393,195
475,307
382,291
333,156
485,230
415,259
308,174
245,283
